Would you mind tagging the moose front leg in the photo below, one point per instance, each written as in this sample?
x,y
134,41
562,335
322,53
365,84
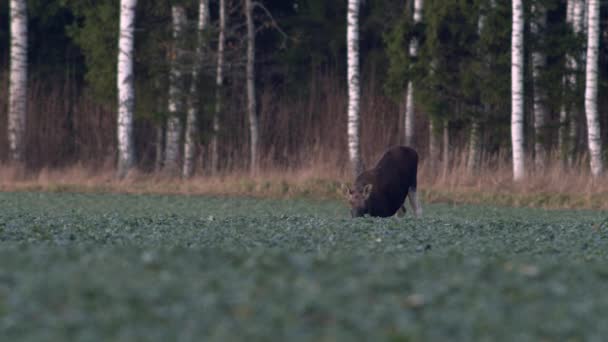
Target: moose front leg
x,y
401,211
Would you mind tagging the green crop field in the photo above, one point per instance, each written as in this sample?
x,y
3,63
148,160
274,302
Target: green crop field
x,y
77,267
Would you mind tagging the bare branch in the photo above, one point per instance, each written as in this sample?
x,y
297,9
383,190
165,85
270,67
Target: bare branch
x,y
272,21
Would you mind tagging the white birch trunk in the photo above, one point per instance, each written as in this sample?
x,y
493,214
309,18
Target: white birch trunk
x,y
409,102
126,92
569,11
352,41
593,125
540,108
517,91
175,106
219,82
585,23
193,102
18,82
251,102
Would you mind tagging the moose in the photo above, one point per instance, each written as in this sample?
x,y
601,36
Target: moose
x,y
381,191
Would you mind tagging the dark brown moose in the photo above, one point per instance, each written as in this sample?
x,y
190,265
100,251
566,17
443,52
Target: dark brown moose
x,y
381,191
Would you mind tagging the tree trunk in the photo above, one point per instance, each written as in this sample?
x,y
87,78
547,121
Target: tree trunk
x,y
251,102
474,148
17,108
569,113
446,148
409,102
433,149
159,145
593,125
573,136
474,156
352,41
219,82
540,107
174,123
126,92
517,91
191,135
561,134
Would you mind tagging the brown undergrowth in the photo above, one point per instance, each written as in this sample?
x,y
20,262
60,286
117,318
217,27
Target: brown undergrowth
x,y
554,187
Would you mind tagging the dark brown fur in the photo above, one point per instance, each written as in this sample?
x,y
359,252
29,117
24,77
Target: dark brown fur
x,y
391,179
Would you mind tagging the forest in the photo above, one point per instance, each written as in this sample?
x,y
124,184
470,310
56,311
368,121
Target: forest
x,y
227,86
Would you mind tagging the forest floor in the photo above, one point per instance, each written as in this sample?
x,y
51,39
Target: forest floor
x,y
119,267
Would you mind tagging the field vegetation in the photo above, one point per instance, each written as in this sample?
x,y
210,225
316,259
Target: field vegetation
x,y
118,267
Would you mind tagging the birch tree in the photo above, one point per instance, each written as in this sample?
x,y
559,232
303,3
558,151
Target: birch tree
x,y
193,102
517,90
409,102
251,102
219,82
175,105
593,125
126,94
539,102
352,42
18,81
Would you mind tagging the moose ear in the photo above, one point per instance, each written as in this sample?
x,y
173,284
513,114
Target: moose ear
x,y
345,190
367,190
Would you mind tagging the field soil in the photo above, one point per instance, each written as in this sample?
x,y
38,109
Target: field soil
x,y
119,267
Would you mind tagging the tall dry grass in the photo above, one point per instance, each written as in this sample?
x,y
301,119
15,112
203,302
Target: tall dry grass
x,y
71,146
492,184
66,125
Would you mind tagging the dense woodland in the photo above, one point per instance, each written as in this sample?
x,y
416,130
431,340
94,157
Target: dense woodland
x,y
297,95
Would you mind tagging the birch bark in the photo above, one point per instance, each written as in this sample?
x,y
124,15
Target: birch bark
x,y
193,102
126,92
219,83
18,82
540,107
352,41
517,91
409,102
175,105
593,125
